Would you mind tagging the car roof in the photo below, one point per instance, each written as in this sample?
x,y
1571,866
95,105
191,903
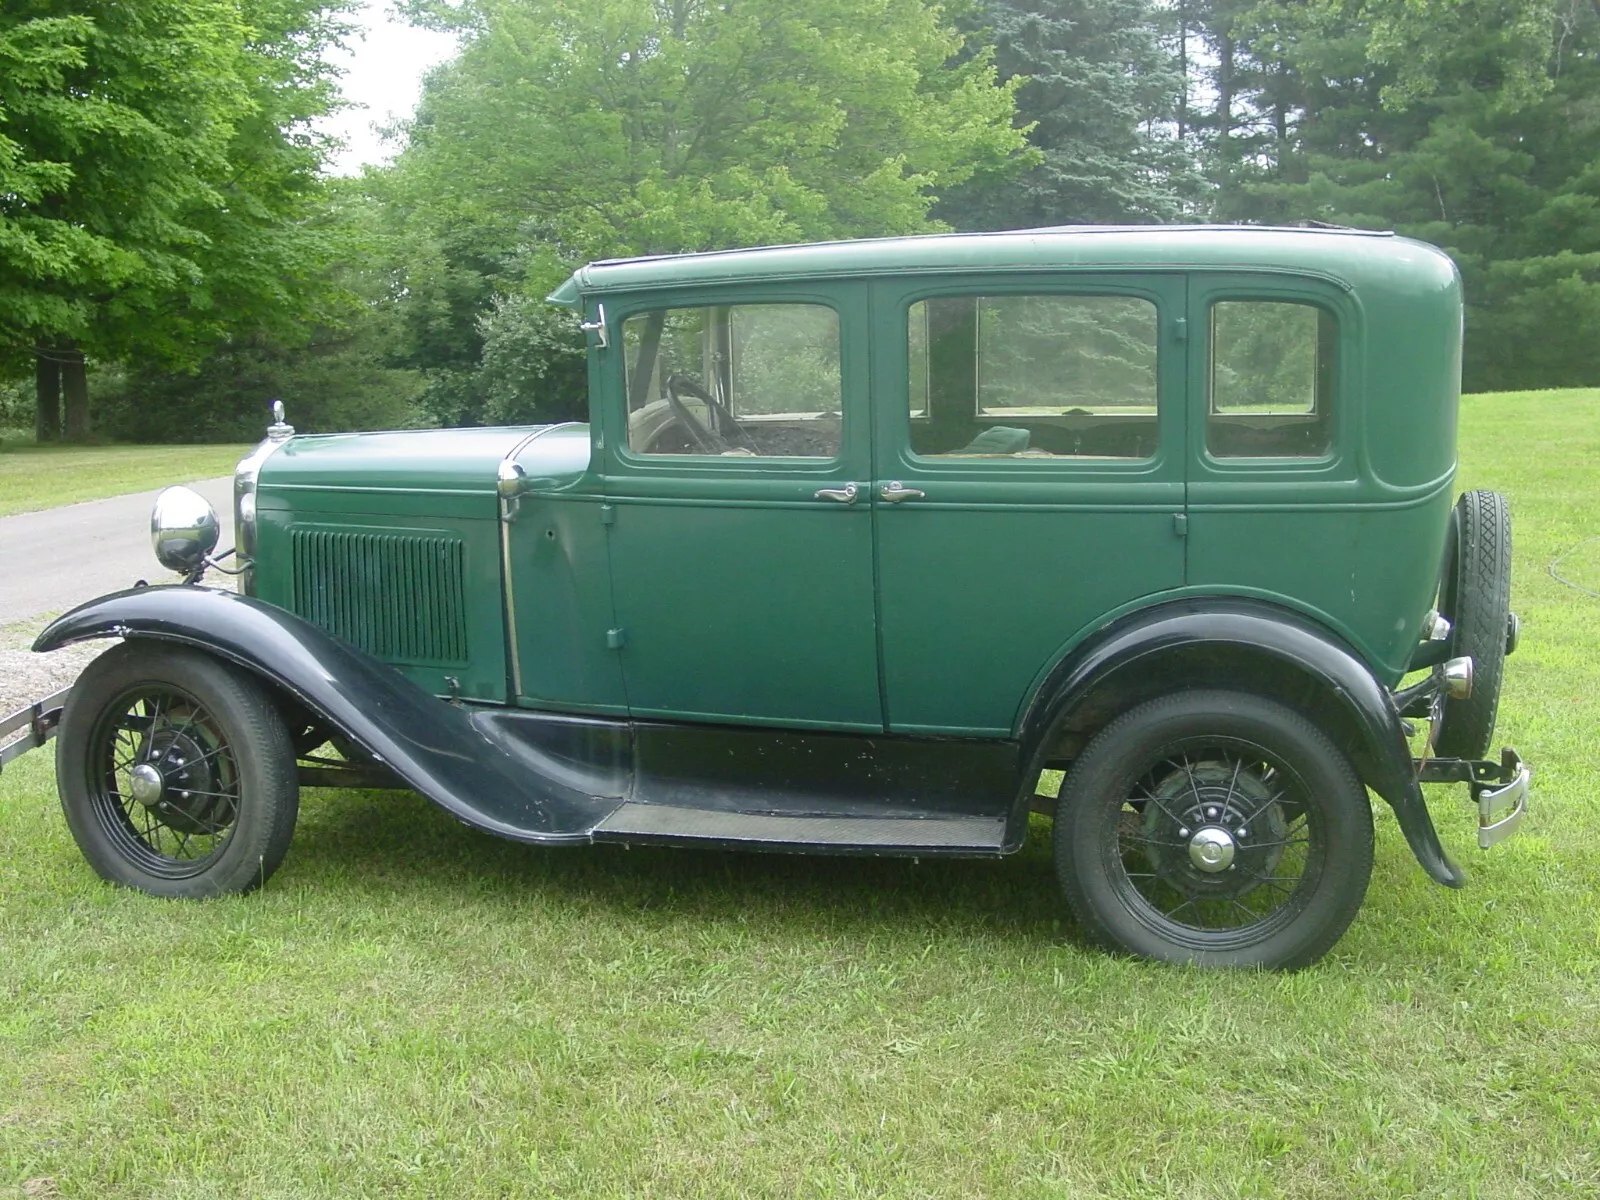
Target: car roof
x,y
1350,257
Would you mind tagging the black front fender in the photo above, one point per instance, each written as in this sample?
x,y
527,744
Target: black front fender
x,y
433,746
1212,642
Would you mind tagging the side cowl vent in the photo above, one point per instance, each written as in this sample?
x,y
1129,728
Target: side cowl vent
x,y
399,595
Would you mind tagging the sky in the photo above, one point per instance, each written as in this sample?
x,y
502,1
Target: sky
x,y
383,77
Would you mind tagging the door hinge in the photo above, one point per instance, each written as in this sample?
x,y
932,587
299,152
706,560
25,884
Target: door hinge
x,y
616,638
1180,524
608,514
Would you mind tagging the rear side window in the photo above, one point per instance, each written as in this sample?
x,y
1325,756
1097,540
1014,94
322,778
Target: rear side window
x,y
1033,376
1271,385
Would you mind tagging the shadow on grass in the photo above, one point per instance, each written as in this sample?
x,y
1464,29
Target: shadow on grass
x,y
396,844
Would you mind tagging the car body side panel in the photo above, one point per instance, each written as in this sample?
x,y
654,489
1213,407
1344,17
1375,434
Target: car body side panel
x,y
391,542
983,577
741,595
559,600
558,578
1355,534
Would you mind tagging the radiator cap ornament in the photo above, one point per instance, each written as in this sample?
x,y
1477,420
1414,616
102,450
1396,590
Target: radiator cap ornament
x,y
279,431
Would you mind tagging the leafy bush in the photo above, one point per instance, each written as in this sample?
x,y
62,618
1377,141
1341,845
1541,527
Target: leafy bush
x,y
331,385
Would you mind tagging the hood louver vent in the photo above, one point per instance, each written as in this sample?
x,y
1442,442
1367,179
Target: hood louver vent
x,y
400,596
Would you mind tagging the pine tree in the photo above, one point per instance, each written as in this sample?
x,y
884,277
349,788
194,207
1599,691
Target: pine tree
x,y
1102,94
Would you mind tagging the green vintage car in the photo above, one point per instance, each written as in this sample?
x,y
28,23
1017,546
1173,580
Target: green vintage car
x,y
862,545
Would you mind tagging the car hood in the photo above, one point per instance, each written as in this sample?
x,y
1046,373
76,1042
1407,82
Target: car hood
x,y
429,460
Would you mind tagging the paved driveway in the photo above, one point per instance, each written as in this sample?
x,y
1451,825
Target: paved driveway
x,y
54,559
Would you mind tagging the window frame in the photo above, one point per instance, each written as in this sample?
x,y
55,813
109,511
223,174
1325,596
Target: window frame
x,y
1325,400
1339,461
609,383
1163,288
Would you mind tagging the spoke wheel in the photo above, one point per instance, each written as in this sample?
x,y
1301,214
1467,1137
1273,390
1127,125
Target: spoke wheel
x,y
168,789
176,772
1214,828
1215,839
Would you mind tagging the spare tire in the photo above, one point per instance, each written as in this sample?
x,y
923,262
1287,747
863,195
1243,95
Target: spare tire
x,y
1475,596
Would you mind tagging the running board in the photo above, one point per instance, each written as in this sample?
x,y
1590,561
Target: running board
x,y
820,834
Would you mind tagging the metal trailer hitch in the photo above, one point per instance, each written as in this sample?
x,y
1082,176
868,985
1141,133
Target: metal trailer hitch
x,y
37,722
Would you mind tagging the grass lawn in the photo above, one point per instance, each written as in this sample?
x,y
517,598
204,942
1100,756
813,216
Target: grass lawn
x,y
34,477
414,1009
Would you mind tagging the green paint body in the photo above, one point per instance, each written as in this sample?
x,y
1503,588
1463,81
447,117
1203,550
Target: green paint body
x,y
722,590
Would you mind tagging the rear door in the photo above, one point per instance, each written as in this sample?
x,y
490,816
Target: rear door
x,y
736,455
1028,482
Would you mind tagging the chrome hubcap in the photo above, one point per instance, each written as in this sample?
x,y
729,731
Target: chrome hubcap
x,y
146,785
1211,849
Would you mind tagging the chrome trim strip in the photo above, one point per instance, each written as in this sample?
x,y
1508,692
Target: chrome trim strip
x,y
1490,831
246,481
508,510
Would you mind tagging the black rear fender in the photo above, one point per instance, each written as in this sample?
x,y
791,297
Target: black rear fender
x,y
1248,646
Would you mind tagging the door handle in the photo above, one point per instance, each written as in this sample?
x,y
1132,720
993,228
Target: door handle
x,y
895,491
845,495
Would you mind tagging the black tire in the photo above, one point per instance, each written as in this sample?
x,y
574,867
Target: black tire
x,y
217,814
1165,781
1475,595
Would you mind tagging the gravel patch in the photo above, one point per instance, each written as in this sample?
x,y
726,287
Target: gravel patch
x,y
26,676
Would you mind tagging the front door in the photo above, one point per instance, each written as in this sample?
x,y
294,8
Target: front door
x,y
736,453
1029,480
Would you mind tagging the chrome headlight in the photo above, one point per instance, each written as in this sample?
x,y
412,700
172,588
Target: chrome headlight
x,y
183,529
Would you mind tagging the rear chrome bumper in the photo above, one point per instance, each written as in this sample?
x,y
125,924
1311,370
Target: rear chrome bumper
x,y
1500,790
1501,809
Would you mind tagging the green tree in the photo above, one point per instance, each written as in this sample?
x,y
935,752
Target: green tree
x,y
1099,94
570,131
156,176
1477,129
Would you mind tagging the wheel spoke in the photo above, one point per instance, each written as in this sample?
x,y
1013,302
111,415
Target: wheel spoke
x,y
1246,909
186,792
1193,786
1233,784
1254,845
153,714
1265,804
1157,802
1144,841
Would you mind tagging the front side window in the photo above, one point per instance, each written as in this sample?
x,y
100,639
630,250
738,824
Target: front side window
x,y
1271,380
1040,376
743,380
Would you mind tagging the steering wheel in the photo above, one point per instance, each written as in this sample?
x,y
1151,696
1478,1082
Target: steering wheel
x,y
723,434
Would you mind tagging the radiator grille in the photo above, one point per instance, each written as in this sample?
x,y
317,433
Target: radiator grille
x,y
398,596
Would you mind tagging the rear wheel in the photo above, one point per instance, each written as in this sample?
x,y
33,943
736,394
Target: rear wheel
x,y
176,772
1475,596
1215,828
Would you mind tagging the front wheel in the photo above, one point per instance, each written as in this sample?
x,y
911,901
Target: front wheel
x,y
176,772
1215,828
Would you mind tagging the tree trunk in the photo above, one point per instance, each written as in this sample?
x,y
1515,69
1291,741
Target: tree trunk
x,y
1224,99
1183,70
74,393
47,383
